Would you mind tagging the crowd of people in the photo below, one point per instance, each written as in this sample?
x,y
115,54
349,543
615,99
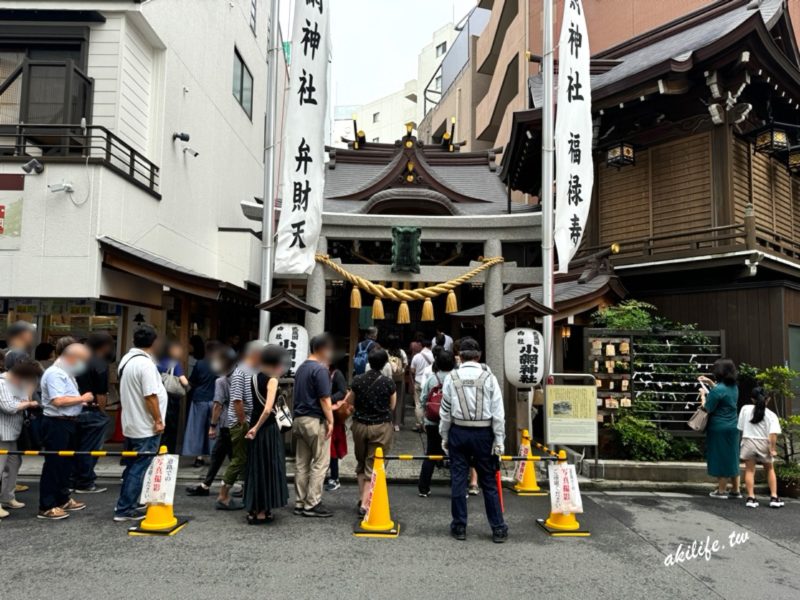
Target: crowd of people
x,y
54,398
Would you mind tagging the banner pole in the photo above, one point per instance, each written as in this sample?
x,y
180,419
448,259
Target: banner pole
x,y
268,215
548,152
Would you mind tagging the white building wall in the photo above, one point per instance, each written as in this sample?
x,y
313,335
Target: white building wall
x,y
159,68
428,62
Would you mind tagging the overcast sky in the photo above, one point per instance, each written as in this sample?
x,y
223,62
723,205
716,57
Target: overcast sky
x,y
376,43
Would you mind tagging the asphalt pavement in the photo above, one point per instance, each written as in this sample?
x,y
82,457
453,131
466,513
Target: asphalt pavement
x,y
218,556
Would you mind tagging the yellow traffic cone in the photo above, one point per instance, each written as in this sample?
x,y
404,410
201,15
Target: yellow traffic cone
x,y
378,520
159,518
528,486
562,524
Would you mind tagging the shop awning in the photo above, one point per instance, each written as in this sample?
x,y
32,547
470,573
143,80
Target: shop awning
x,y
152,267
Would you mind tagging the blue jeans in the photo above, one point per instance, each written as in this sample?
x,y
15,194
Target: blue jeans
x,y
473,447
92,427
133,475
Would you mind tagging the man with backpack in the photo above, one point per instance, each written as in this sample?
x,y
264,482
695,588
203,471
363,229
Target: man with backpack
x,y
430,404
472,426
361,359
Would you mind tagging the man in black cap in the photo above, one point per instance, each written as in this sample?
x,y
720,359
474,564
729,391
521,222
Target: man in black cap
x,y
20,337
472,426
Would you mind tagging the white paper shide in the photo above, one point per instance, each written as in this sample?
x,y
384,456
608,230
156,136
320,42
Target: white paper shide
x,y
303,175
573,136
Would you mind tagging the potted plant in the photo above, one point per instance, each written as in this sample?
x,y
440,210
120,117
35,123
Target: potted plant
x,y
788,471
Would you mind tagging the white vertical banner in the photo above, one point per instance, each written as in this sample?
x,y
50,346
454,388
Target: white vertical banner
x,y
303,176
573,137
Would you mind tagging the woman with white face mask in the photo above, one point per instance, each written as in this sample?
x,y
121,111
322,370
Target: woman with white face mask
x,y
16,388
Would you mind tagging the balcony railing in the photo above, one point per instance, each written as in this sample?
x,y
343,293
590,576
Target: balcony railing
x,y
45,91
703,242
74,143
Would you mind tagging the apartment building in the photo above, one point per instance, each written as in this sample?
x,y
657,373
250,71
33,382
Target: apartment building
x,y
502,40
126,145
383,119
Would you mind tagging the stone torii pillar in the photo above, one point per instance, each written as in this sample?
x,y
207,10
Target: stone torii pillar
x,y
315,293
492,302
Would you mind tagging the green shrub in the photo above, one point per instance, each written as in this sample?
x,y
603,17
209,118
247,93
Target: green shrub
x,y
629,314
640,438
788,472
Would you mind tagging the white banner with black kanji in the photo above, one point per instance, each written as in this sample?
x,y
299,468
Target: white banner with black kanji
x,y
303,177
573,135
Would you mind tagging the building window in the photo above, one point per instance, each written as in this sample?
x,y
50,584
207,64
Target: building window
x,y
437,83
376,117
376,140
253,6
242,83
441,49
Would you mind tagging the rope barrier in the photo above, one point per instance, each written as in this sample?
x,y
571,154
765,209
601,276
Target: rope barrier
x,y
72,453
441,457
388,293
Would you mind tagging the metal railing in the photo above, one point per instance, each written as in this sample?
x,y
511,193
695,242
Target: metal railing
x,y
73,143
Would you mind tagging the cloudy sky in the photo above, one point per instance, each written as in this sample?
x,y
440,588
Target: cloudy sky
x,y
376,42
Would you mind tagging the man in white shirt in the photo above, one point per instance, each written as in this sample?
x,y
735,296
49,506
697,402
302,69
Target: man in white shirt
x,y
472,426
422,362
443,340
144,404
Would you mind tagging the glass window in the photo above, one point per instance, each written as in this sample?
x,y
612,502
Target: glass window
x,y
376,140
441,49
376,117
437,83
242,83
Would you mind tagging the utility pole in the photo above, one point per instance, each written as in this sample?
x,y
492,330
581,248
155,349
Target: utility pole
x,y
548,156
268,216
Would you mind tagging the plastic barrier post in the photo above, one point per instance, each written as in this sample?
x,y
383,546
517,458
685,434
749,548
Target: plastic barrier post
x,y
159,519
562,524
528,486
378,520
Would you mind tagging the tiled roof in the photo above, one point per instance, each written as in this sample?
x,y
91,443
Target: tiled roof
x,y
678,47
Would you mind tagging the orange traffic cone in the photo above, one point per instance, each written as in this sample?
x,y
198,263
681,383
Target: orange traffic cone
x,y
378,520
159,519
528,486
562,524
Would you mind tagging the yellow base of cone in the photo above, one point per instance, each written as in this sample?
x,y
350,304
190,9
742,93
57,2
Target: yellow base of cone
x,y
159,520
562,525
360,531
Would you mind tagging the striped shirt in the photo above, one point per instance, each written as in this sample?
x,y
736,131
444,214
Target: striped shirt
x,y
10,418
241,389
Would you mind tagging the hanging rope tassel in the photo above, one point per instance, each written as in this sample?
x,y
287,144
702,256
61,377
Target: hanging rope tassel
x,y
355,297
403,314
452,304
427,310
377,310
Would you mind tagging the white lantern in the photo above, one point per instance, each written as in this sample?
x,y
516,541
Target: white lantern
x,y
524,357
294,338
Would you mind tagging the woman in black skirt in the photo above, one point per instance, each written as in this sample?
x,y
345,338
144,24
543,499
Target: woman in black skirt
x,y
265,481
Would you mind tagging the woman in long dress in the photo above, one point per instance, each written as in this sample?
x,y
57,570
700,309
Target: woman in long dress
x,y
265,479
722,433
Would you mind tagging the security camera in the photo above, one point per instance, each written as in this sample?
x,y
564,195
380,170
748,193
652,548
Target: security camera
x,y
184,137
64,186
33,167
191,151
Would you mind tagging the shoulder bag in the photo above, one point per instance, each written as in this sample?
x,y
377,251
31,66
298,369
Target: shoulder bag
x,y
699,420
280,410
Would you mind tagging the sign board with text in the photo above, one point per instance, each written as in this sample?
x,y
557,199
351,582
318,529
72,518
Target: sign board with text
x,y
571,415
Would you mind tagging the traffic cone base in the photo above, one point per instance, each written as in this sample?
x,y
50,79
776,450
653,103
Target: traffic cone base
x,y
360,531
562,525
159,520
